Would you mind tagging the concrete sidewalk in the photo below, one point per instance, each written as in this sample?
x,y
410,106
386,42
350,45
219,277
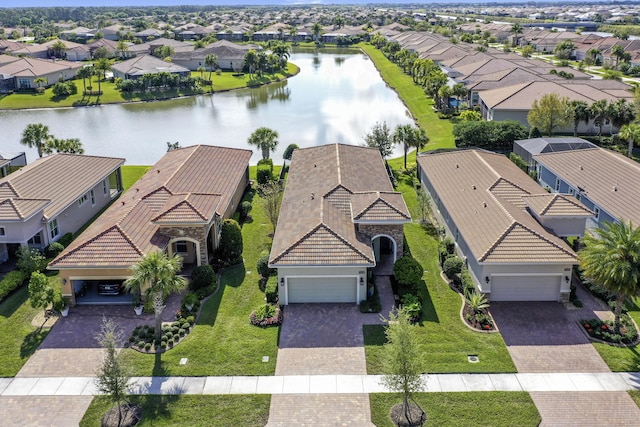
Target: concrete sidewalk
x,y
329,384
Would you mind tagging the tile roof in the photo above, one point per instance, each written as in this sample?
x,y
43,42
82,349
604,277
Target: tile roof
x,y
187,186
49,178
20,209
31,67
609,179
558,205
147,64
483,193
325,185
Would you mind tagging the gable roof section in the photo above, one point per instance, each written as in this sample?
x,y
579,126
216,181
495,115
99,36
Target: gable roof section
x,y
558,205
378,207
482,193
147,64
49,178
323,185
20,209
187,186
609,179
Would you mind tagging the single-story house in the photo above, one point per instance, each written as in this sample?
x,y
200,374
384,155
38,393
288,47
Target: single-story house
x,y
339,217
230,55
21,74
78,33
606,182
10,161
72,51
177,206
53,196
506,227
137,67
527,148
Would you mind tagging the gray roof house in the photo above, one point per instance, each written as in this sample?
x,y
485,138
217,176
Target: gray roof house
x,y
528,148
230,55
339,217
146,64
52,196
504,224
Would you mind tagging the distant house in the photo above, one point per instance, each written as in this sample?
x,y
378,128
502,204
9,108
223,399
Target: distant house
x,y
107,44
72,51
10,161
178,207
230,55
52,196
606,182
339,217
528,148
149,34
78,33
504,224
137,67
21,74
9,46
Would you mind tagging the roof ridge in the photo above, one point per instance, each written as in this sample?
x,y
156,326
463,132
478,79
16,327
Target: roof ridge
x,y
291,246
497,241
522,86
379,200
13,205
339,236
181,202
339,170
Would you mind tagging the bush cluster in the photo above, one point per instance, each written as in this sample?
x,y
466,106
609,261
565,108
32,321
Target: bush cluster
x,y
452,266
203,281
605,330
53,250
230,250
493,134
266,315
62,90
244,209
66,239
12,281
143,337
412,306
271,290
407,273
264,172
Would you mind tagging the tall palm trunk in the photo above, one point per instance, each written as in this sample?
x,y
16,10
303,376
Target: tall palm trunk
x,y
618,312
158,308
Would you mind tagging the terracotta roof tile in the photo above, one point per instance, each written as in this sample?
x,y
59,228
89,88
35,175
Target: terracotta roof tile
x,y
187,185
556,205
17,209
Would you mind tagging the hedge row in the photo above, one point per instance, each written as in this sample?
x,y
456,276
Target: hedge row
x,y
11,281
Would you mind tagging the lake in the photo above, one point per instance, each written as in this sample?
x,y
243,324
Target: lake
x,y
337,97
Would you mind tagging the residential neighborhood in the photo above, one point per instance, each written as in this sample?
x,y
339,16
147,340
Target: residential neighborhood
x,y
366,215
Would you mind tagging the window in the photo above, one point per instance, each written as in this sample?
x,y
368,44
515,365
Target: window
x,y
557,184
105,187
53,228
571,191
597,212
82,200
2,232
35,240
181,247
93,198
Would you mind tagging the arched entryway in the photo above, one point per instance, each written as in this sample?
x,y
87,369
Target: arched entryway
x,y
385,250
188,249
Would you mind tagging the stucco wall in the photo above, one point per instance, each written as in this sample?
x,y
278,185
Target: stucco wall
x,y
195,233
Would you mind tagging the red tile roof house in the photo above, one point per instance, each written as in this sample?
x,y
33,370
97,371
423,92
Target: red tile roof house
x,y
339,217
506,226
177,206
52,196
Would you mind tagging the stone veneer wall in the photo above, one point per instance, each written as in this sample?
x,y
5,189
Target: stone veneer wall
x,y
195,233
395,231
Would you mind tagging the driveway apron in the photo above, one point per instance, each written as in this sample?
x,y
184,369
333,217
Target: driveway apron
x,y
546,337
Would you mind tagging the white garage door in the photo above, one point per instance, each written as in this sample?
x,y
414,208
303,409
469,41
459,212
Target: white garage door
x,y
321,289
525,288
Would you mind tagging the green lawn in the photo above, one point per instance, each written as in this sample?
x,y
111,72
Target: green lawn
x,y
439,131
635,395
130,174
189,410
19,339
491,409
621,359
222,82
224,342
444,339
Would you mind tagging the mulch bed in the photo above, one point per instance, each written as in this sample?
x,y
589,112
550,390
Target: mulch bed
x,y
474,323
131,415
417,415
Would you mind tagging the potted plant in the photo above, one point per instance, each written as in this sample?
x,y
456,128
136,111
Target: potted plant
x,y
137,304
64,311
190,300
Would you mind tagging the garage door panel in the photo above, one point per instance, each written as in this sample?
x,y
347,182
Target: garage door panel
x,y
318,289
525,288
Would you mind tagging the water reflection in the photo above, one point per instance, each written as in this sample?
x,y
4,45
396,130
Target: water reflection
x,y
339,101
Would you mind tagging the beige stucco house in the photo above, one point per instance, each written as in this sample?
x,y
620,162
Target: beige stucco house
x,y
53,196
339,217
505,225
177,206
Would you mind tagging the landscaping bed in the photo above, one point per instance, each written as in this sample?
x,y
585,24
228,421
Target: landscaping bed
x,y
604,330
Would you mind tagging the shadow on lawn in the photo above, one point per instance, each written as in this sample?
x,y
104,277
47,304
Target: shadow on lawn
x,y
233,276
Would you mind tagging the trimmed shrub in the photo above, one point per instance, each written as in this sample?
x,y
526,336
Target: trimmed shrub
x,y
66,239
412,306
30,260
288,152
266,315
12,281
449,245
271,290
53,250
452,266
230,249
263,266
467,282
407,272
201,277
264,174
245,208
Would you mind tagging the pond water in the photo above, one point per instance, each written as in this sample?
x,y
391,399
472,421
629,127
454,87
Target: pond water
x,y
337,97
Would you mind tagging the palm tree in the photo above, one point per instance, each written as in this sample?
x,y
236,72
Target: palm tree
x,y
211,62
611,258
621,113
281,50
410,137
293,32
58,49
516,29
265,139
630,132
598,111
35,135
250,61
459,91
84,73
580,112
122,47
618,52
316,29
101,66
156,274
595,56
